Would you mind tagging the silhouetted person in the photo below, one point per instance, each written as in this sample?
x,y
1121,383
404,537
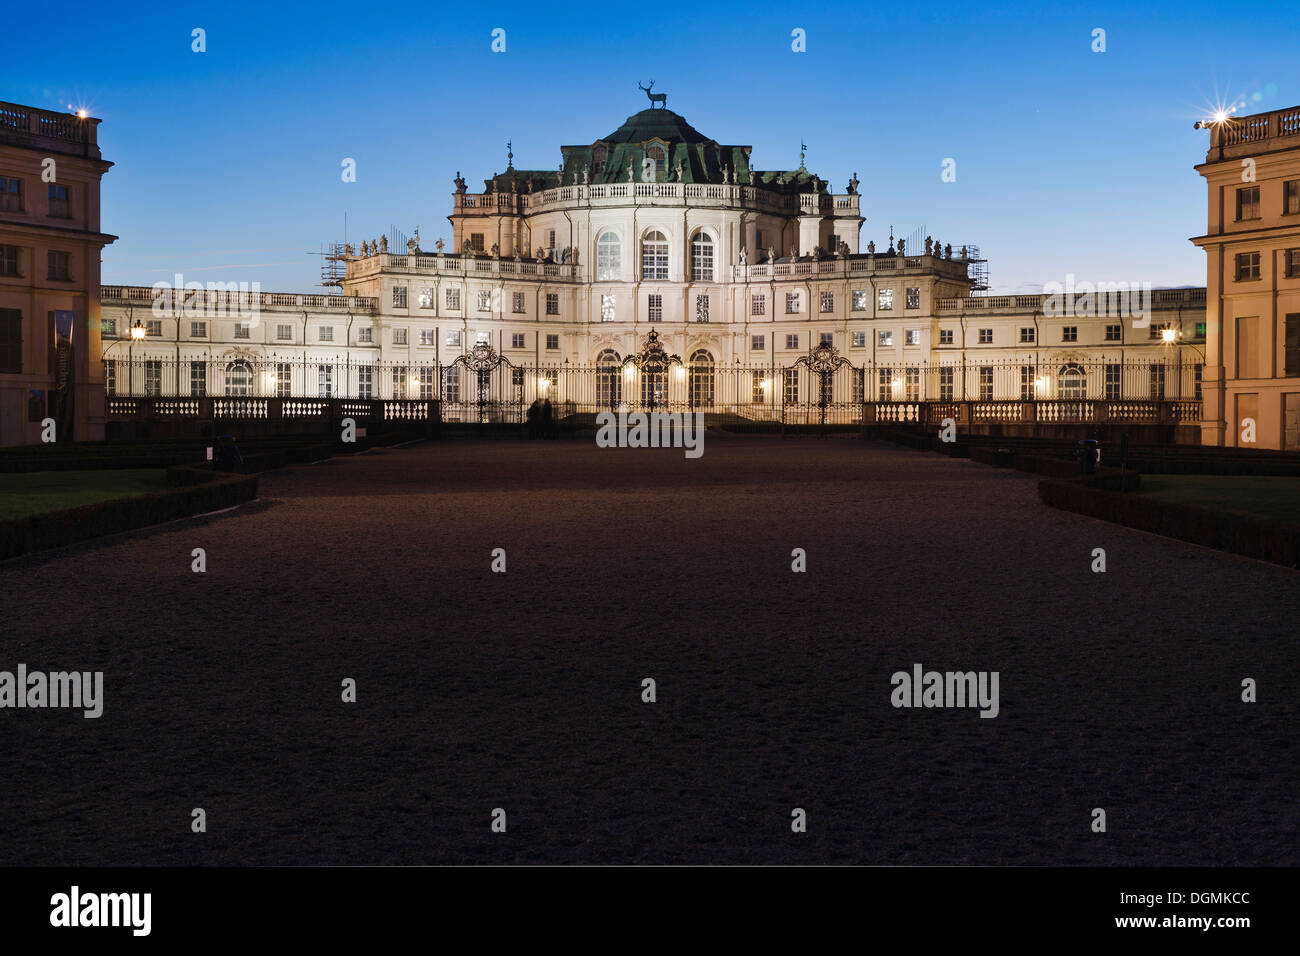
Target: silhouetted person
x,y
546,418
534,418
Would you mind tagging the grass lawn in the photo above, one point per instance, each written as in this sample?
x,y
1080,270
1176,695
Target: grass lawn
x,y
1268,498
35,492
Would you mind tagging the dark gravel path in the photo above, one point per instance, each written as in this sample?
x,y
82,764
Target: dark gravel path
x,y
476,690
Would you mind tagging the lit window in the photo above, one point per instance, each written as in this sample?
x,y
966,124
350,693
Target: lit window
x,y
913,299
655,308
607,311
792,303
884,299
859,300
912,337
828,301
702,258
399,296
701,308
859,340
608,257
654,256
885,339
453,300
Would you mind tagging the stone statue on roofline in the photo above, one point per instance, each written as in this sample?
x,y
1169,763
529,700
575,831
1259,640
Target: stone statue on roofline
x,y
679,171
928,244
466,248
751,175
853,185
744,257
871,248
631,172
771,254
963,252
365,249
411,246
460,183
586,174
439,244
383,244
496,250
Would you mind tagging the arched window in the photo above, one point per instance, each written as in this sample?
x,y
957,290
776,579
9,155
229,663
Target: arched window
x,y
609,256
239,378
702,257
656,155
598,159
1074,383
654,256
609,379
701,380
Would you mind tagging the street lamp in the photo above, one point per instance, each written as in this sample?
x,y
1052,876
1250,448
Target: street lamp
x,y
137,335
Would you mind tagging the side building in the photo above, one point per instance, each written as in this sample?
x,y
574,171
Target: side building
x,y
50,244
1252,246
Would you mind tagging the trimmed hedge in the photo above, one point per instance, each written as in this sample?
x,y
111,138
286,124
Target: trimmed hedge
x,y
199,491
1213,529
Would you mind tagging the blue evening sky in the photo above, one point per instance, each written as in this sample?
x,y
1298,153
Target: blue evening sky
x,y
1068,161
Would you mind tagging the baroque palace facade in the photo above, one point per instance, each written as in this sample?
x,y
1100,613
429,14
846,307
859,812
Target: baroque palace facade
x,y
564,283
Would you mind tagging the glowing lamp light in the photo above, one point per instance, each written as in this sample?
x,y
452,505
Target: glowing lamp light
x,y
1169,335
137,330
765,384
628,372
681,372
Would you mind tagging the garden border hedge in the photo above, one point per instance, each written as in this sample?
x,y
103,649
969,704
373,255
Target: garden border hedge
x,y
1213,529
199,491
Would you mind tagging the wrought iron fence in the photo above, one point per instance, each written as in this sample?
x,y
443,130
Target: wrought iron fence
x,y
819,388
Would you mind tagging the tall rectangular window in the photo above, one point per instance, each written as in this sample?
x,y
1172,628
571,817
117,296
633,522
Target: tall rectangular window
x,y
365,381
884,385
59,206
1291,365
11,194
1248,202
476,241
399,381
11,341
198,379
451,384
60,265
452,298
1157,380
517,340
828,302
325,381
517,303
284,333
485,301
758,343
1291,197
326,333
366,335
8,260
859,300
426,298
791,390
110,367
792,341
607,310
283,380
912,385
553,342
758,304
552,303
945,383
986,383
655,308
1113,386
399,296
152,377
913,298
792,303
425,373
1027,383
884,299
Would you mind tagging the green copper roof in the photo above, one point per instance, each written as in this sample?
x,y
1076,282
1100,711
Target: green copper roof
x,y
656,124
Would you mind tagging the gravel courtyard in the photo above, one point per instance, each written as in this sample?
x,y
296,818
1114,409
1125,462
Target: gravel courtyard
x,y
522,690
